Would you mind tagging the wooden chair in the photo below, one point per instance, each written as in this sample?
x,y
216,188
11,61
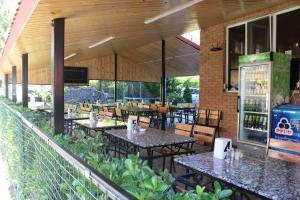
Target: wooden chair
x,y
134,104
89,107
284,145
144,122
204,135
214,118
119,115
153,107
134,118
202,117
108,115
81,106
183,129
140,105
146,106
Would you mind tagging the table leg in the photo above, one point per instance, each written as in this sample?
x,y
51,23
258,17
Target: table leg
x,y
149,157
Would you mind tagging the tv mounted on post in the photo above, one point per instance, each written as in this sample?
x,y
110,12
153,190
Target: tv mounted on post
x,y
76,75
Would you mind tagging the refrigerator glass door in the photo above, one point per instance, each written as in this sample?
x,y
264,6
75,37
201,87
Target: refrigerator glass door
x,y
254,103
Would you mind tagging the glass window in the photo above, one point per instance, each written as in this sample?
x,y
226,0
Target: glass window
x,y
288,41
257,41
288,33
137,91
259,36
236,47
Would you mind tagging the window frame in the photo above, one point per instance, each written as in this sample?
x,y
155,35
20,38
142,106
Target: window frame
x,y
245,23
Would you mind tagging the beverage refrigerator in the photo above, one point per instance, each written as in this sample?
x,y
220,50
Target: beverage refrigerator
x,y
264,82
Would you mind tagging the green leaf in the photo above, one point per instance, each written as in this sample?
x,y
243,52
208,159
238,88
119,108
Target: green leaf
x,y
129,165
200,190
217,187
225,194
154,181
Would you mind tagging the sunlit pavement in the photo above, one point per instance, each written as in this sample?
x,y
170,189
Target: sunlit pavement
x,y
4,183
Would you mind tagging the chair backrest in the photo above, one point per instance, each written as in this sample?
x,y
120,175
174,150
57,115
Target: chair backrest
x,y
214,117
134,118
108,115
163,109
202,117
81,106
204,134
105,109
183,129
100,108
146,106
118,112
284,145
140,105
144,122
157,102
153,107
134,104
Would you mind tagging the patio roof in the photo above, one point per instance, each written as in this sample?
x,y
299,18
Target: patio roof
x,y
90,21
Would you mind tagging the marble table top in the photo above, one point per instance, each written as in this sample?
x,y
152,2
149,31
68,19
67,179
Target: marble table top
x,y
101,124
268,177
150,138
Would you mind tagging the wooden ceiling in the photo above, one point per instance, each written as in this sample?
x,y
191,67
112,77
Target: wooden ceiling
x,y
89,21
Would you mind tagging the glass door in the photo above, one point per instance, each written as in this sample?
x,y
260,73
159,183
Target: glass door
x,y
254,103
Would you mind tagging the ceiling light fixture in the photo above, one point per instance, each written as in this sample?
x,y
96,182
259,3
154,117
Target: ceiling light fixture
x,y
172,11
70,56
101,42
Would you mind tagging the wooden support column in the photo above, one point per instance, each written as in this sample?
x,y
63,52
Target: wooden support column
x,y
116,77
25,80
57,65
14,84
6,85
163,82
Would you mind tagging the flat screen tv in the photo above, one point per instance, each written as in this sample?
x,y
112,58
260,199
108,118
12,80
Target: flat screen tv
x,y
75,75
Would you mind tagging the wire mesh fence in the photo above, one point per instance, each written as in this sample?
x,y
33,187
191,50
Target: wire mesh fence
x,y
41,169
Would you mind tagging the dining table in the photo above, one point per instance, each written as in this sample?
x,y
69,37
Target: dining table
x,y
257,174
100,125
131,141
126,111
71,117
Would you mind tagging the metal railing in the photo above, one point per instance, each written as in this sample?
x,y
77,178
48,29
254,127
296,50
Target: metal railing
x,y
50,171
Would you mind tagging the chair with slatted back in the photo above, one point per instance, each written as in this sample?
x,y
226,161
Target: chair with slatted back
x,y
290,153
146,106
108,115
81,106
180,129
119,114
105,109
89,107
144,122
214,118
204,135
140,105
202,118
134,104
134,118
183,129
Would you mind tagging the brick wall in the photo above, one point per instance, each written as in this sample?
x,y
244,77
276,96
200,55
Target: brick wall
x,y
213,69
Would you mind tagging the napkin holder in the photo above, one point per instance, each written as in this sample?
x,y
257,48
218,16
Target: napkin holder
x,y
222,146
